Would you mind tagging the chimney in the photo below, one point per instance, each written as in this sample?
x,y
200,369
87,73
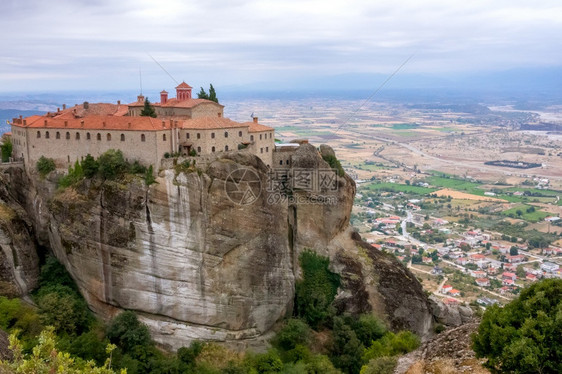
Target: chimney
x,y
48,114
140,99
58,110
220,114
163,97
118,102
65,123
45,123
163,123
25,122
103,123
86,105
21,116
82,123
63,106
255,119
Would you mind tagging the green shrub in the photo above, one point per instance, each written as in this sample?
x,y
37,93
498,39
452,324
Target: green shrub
x,y
316,291
54,273
45,165
525,336
380,365
439,328
368,328
294,332
63,308
347,349
6,149
188,355
75,174
392,344
90,166
149,176
334,164
269,362
112,164
128,332
89,346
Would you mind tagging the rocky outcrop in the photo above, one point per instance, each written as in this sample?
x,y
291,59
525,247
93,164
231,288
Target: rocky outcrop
x,y
19,262
212,253
5,352
448,352
449,315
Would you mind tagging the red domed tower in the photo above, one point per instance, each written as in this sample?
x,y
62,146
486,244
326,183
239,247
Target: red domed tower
x,y
183,91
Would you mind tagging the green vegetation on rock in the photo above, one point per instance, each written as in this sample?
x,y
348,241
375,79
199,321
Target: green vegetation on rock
x,y
45,166
316,291
525,336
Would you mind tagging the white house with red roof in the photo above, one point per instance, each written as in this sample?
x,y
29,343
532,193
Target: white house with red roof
x,y
483,282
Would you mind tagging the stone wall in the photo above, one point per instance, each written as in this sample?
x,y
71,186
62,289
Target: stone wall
x,y
148,147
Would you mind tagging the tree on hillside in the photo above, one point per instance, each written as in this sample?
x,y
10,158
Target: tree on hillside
x,y
513,251
6,149
213,94
525,336
148,110
203,94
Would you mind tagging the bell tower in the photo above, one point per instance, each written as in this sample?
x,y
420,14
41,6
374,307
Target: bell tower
x,y
183,91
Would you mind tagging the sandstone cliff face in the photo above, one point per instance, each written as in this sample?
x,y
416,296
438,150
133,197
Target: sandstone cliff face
x,y
195,262
19,262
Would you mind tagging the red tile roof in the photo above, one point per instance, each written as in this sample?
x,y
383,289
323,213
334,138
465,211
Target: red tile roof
x,y
210,123
175,103
184,85
100,109
256,127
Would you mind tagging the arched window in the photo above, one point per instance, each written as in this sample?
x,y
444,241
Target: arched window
x,y
251,138
187,136
287,162
38,134
212,149
99,136
67,135
143,138
240,133
226,134
198,136
226,148
46,135
212,135
87,136
122,137
269,135
261,150
77,136
164,137
198,149
280,162
267,149
260,136
108,136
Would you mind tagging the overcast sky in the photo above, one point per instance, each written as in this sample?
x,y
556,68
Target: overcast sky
x,y
101,44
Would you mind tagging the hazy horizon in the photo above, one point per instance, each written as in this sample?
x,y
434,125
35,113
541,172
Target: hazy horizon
x,y
250,45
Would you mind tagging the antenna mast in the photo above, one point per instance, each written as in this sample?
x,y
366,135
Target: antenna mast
x,y
140,79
